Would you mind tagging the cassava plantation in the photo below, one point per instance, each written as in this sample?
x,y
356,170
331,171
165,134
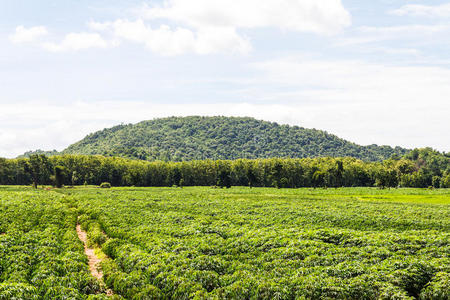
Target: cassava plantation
x,y
238,243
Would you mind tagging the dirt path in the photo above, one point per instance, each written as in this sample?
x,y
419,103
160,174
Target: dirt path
x,y
93,259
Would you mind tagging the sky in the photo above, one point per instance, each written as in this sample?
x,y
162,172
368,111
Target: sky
x,y
372,72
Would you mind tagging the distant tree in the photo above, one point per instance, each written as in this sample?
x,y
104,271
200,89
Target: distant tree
x,y
74,178
59,176
445,182
430,169
339,173
386,177
276,174
224,179
175,176
37,167
252,180
284,183
318,179
116,177
436,182
405,166
395,156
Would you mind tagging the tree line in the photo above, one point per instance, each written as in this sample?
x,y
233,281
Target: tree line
x,y
420,168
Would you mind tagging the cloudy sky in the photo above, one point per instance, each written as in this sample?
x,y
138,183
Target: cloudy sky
x,y
373,72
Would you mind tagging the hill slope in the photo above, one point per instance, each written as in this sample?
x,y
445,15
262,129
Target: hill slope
x,y
189,138
38,152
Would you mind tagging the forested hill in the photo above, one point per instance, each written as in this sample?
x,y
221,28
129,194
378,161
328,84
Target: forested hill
x,y
197,138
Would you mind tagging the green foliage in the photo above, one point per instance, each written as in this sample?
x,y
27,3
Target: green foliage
x,y
238,243
224,178
17,291
445,182
28,154
241,243
105,185
95,235
38,167
438,288
430,168
41,256
224,138
59,176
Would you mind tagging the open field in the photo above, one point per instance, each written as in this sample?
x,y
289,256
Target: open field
x,y
237,243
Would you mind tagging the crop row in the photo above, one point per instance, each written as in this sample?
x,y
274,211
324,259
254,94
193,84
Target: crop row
x,y
41,256
268,244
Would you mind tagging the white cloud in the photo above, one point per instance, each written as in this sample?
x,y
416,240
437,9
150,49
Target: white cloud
x,y
98,26
410,30
209,26
27,35
77,41
359,81
364,102
419,10
212,26
167,41
324,17
404,52
418,34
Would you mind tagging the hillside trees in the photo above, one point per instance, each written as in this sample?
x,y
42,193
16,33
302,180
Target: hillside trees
x,y
221,138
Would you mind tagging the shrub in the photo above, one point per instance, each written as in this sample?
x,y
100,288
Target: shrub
x,y
105,185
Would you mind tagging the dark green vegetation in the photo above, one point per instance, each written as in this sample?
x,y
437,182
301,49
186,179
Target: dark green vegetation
x,y
419,168
239,243
198,138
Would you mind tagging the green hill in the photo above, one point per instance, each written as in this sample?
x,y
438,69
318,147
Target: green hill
x,y
196,138
38,152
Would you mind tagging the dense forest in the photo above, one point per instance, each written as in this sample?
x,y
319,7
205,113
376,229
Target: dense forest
x,y
418,168
220,138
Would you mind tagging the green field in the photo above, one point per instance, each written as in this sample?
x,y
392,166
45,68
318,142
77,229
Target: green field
x,y
238,243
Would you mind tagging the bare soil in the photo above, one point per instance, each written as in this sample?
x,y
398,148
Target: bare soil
x,y
94,261
90,253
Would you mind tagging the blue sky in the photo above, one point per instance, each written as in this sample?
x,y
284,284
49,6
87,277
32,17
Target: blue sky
x,y
368,71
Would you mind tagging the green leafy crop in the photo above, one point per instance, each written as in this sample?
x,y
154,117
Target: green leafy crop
x,y
237,243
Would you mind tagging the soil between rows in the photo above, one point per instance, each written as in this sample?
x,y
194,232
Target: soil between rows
x,y
90,253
